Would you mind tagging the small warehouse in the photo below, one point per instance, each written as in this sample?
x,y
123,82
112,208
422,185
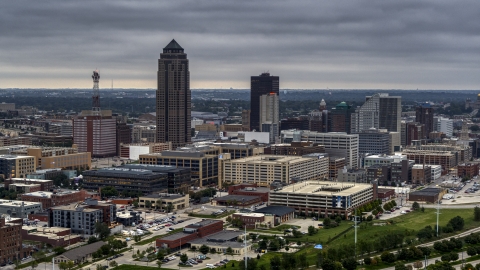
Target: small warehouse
x,y
429,195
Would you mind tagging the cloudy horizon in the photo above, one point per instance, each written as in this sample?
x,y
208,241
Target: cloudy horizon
x,y
309,44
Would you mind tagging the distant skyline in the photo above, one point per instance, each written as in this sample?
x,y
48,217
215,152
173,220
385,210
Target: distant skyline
x,y
308,44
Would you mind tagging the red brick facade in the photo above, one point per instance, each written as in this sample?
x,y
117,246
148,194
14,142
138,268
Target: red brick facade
x,y
468,170
57,199
173,242
11,240
240,190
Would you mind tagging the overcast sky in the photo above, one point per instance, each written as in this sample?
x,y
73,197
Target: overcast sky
x,y
309,44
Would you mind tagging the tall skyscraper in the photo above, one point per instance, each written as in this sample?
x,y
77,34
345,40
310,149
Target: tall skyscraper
x,y
173,96
260,85
379,111
339,119
269,115
94,130
424,115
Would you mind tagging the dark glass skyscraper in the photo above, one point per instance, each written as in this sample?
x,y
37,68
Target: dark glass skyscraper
x,y
260,85
173,96
424,115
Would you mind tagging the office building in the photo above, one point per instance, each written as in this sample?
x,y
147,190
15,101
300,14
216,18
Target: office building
x,y
169,202
261,85
57,157
269,115
413,132
134,150
374,141
45,185
7,141
352,175
126,179
468,170
444,125
203,162
401,172
381,159
124,135
239,150
16,166
335,164
245,189
421,175
444,158
294,149
264,170
246,120
179,179
379,111
379,173
298,123
144,134
53,236
323,198
173,97
19,209
424,116
339,118
336,144
94,130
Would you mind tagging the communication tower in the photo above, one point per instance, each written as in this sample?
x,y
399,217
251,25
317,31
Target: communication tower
x,y
96,92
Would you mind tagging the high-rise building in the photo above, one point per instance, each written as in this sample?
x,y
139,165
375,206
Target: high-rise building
x,y
269,113
444,125
94,130
379,111
424,115
260,85
339,118
374,141
173,96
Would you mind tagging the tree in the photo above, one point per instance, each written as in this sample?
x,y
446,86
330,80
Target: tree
x,y
204,249
388,257
251,264
229,251
327,222
457,223
400,266
108,192
137,238
328,264
63,265
158,204
184,258
338,219
159,263
415,206
275,263
135,203
213,250
302,261
349,263
92,239
38,257
311,230
471,251
113,264
102,230
169,207
367,260
59,250
148,204
476,213
418,264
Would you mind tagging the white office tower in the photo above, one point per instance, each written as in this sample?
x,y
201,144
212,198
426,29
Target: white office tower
x,y
444,125
379,111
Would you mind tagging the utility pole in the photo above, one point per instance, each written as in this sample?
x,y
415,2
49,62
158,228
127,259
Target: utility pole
x,y
245,242
355,233
438,212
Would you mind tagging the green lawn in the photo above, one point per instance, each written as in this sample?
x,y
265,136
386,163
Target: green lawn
x,y
138,267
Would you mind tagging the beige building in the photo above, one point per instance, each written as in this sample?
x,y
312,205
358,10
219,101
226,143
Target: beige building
x,y
57,157
176,201
16,166
263,170
323,198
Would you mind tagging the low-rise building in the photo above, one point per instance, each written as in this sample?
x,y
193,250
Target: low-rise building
x,y
241,201
323,198
382,159
253,220
249,190
385,193
280,214
223,240
45,185
56,237
431,195
190,232
19,209
80,219
179,179
24,188
127,218
421,174
380,173
468,169
170,202
57,157
294,149
134,150
57,197
335,164
79,255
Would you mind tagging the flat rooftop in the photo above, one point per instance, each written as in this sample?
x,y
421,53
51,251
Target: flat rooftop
x,y
324,188
203,223
427,192
163,196
270,159
74,206
32,180
14,203
237,198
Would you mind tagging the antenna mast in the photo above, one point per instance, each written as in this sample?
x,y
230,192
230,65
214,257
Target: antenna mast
x,y
96,92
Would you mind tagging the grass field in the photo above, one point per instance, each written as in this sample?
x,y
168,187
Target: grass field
x,y
137,267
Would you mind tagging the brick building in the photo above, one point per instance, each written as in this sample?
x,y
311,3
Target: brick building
x,y
252,220
468,169
45,185
190,232
55,198
249,190
11,239
54,236
294,149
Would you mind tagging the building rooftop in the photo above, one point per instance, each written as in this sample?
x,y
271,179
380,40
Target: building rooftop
x,y
275,210
75,207
14,203
32,180
427,192
203,223
83,250
325,188
271,159
237,198
154,168
164,196
256,215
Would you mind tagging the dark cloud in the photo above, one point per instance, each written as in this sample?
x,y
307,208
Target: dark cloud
x,y
310,44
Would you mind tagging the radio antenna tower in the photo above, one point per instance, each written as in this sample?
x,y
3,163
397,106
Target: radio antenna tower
x,y
96,92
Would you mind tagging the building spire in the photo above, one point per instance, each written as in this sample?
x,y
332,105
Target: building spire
x,y
96,92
